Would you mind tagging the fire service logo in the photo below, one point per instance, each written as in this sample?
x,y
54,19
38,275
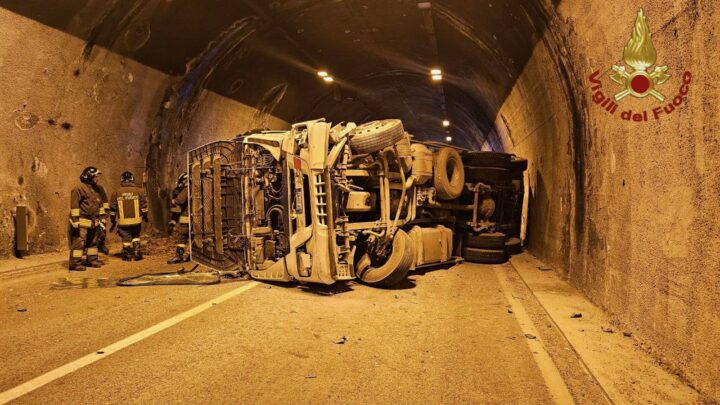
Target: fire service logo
x,y
639,78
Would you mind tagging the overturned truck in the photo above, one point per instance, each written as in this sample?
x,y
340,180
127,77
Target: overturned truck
x,y
322,203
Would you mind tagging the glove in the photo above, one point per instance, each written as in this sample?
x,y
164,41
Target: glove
x,y
101,224
171,227
75,222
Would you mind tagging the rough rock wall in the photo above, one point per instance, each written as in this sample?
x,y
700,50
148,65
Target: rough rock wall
x,y
62,112
628,210
56,122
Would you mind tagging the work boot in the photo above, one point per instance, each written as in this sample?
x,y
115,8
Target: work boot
x,y
96,264
103,249
127,253
76,267
136,251
179,257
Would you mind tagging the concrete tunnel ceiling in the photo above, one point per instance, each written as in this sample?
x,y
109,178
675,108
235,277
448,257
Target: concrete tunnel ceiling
x,y
266,55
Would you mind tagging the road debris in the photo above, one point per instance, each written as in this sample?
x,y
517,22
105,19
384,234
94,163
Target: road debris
x,y
576,315
173,278
341,341
529,336
21,309
627,334
607,329
310,376
509,311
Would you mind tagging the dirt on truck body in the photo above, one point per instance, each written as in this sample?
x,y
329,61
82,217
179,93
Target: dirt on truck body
x,y
322,203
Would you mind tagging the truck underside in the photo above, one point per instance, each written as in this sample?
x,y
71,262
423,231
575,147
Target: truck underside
x,y
320,204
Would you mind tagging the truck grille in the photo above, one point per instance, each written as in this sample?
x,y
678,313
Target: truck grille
x,y
321,199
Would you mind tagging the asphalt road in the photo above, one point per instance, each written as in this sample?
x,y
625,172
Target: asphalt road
x,y
446,337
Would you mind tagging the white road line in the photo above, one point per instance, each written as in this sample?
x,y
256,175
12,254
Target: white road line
x,y
553,380
100,354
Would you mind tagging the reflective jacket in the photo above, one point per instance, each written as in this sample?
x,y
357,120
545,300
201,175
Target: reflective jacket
x,y
128,205
85,206
179,207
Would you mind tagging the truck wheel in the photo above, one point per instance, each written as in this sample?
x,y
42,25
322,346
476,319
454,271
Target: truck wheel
x,y
513,246
491,175
448,174
494,240
395,268
376,135
487,159
486,256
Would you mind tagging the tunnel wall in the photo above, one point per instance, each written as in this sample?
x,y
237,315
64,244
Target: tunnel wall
x,y
628,211
55,123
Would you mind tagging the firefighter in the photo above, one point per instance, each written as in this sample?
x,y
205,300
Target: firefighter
x,y
180,219
85,221
102,248
128,209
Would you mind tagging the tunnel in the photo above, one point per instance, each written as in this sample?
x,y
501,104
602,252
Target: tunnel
x,y
620,193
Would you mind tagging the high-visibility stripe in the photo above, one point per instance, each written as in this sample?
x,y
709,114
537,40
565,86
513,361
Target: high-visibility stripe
x,y
144,210
176,210
111,213
184,219
92,252
181,245
77,253
127,222
123,219
75,212
127,244
136,240
74,224
85,223
101,211
106,206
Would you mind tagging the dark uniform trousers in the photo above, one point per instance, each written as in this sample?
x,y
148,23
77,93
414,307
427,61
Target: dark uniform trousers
x,y
179,214
85,207
129,234
83,242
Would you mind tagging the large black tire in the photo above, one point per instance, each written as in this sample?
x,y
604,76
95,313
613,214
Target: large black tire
x,y
487,159
485,256
494,240
376,135
513,246
448,174
490,175
519,164
395,268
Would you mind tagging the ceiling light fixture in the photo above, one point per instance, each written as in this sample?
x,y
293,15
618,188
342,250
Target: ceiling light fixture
x,y
446,123
328,79
435,71
448,138
437,78
322,73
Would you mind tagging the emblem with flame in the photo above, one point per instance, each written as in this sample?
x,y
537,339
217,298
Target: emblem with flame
x,y
640,54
